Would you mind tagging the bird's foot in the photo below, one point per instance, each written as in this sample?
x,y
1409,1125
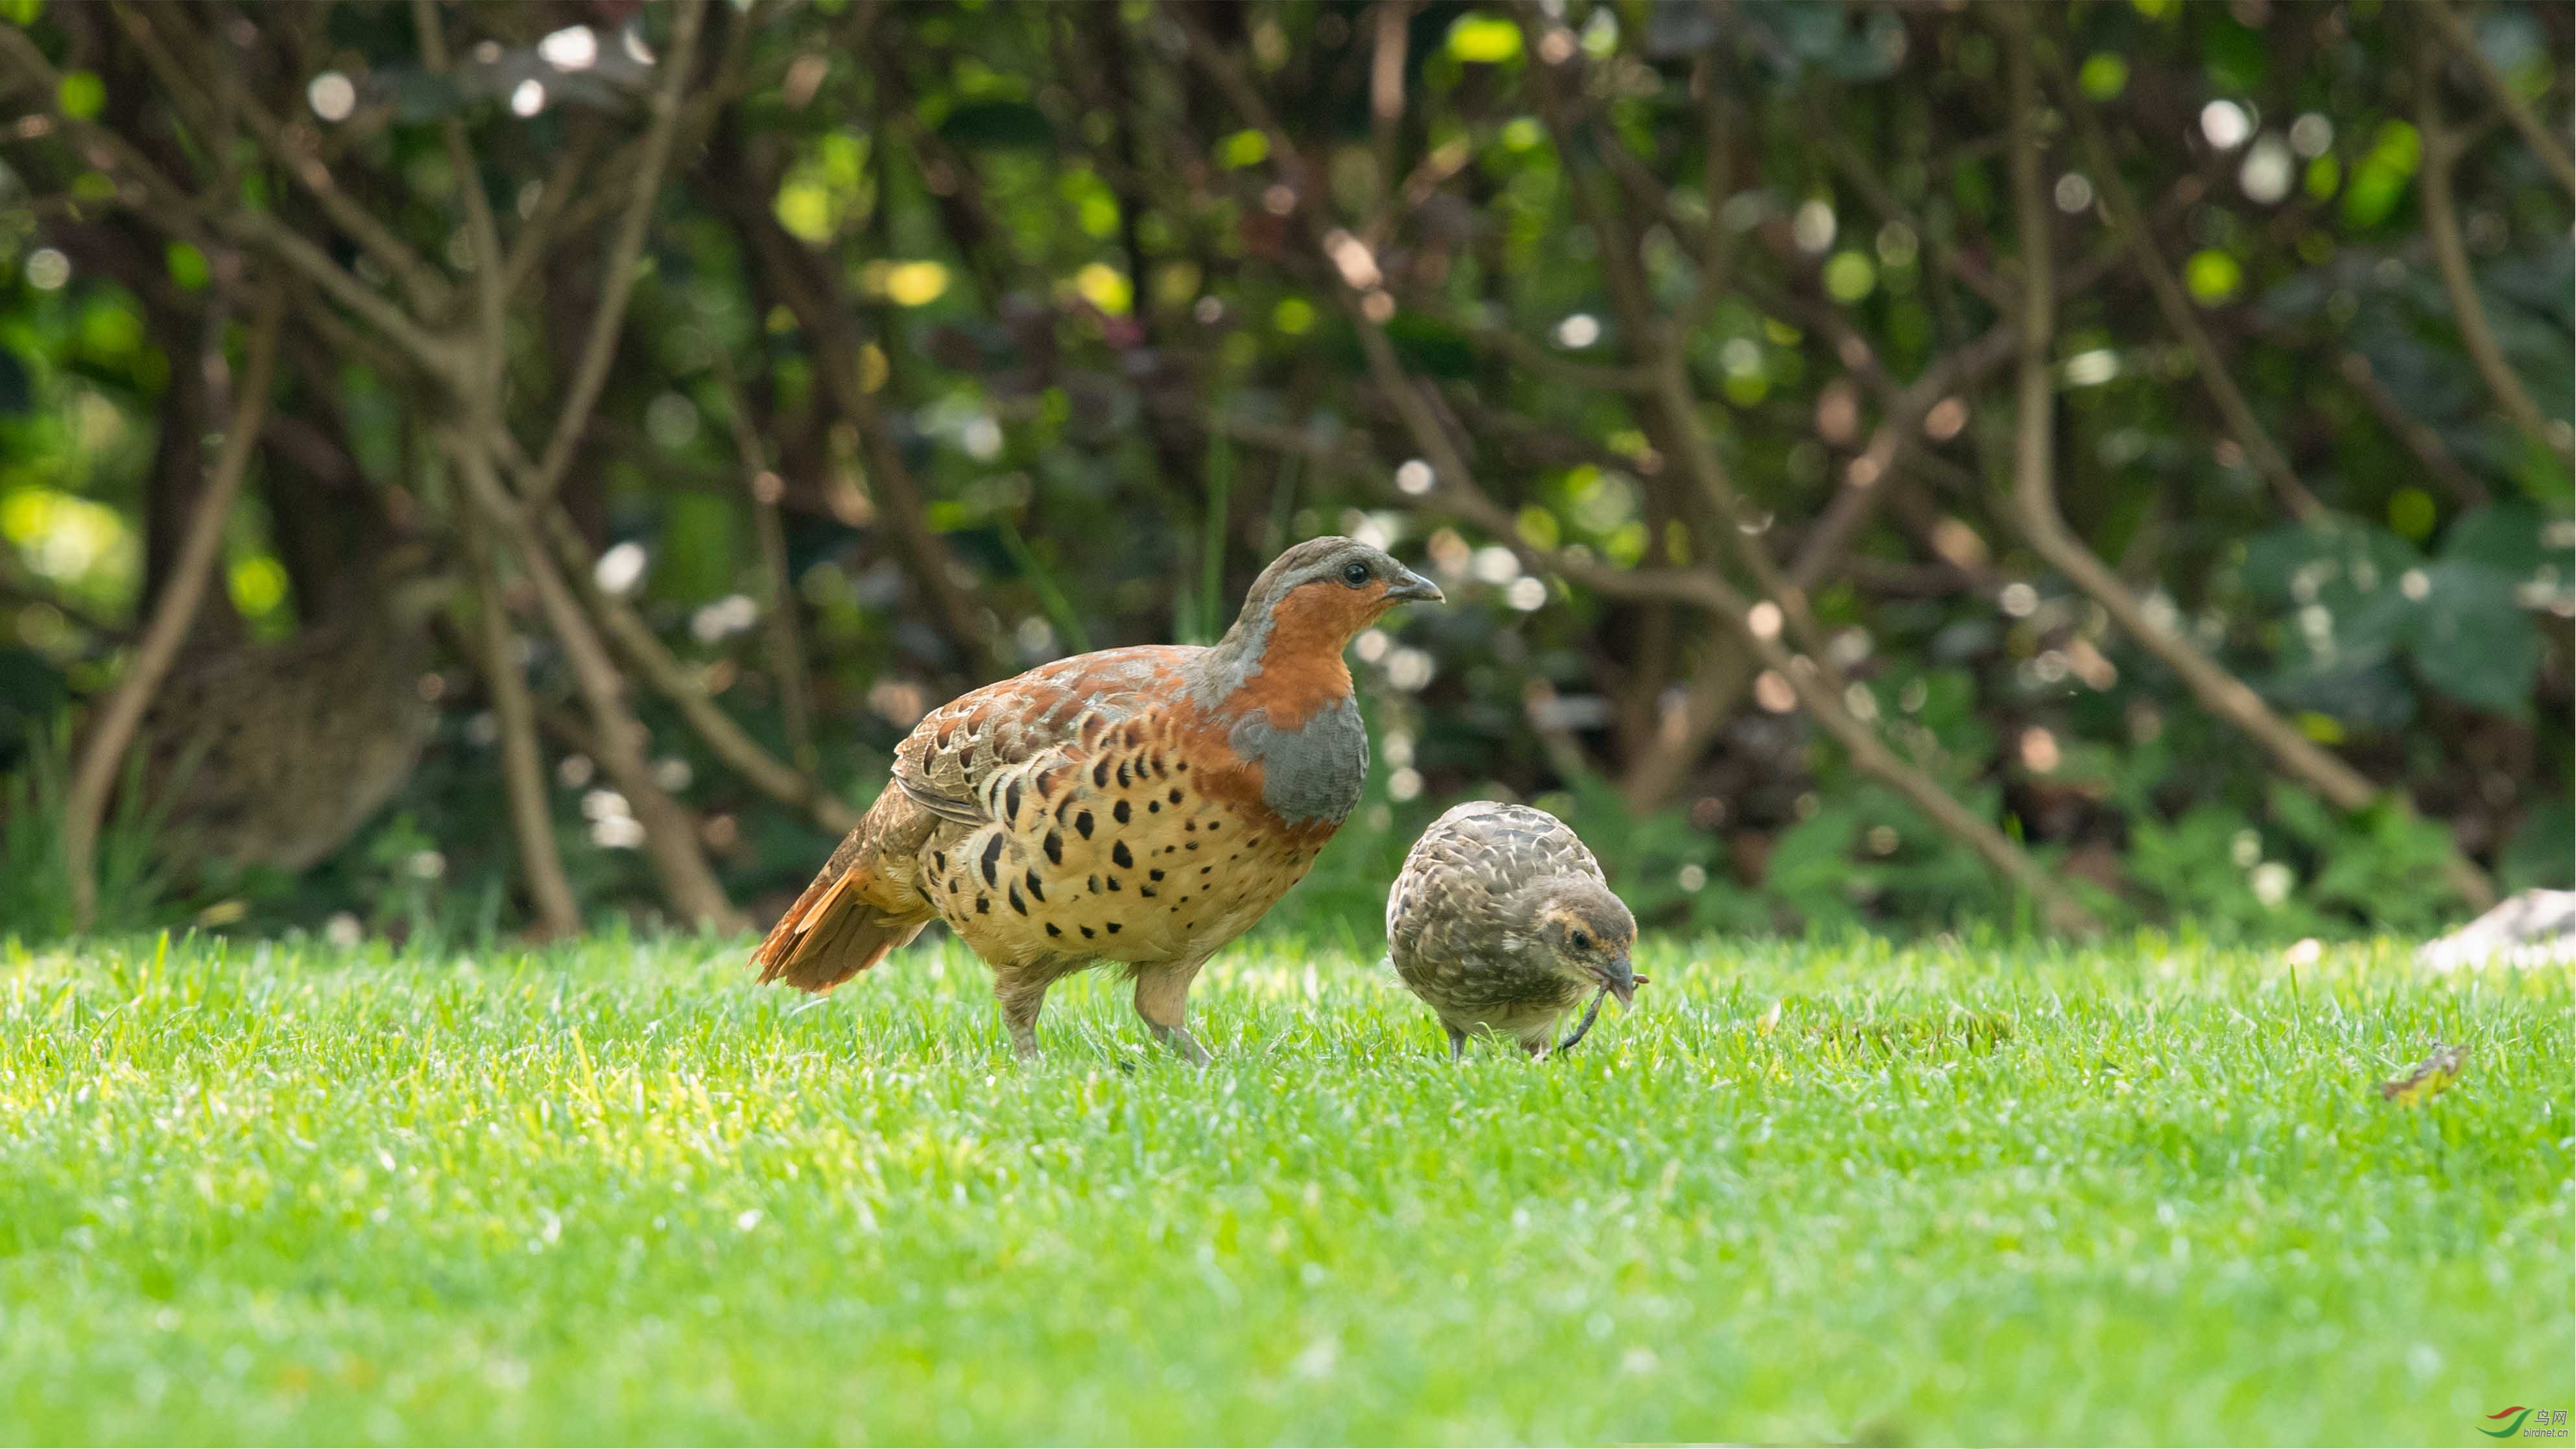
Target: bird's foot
x,y
1181,1044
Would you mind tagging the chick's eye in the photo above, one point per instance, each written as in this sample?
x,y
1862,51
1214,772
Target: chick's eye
x,y
1355,573
1581,941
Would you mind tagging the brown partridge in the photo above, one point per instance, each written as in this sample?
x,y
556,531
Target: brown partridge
x,y
275,755
1501,921
1138,806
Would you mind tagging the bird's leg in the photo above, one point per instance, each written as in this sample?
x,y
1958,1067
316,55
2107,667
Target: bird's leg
x,y
1163,1000
1023,996
1457,1042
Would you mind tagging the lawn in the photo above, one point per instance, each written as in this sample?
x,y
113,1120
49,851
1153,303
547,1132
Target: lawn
x,y
615,1192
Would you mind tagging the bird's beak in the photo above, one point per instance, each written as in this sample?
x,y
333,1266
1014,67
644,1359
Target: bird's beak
x,y
1621,978
1414,587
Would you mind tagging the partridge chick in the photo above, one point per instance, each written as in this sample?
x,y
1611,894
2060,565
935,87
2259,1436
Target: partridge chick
x,y
1501,922
1138,806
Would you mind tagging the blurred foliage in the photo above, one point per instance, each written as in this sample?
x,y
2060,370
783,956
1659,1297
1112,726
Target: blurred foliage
x,y
1059,269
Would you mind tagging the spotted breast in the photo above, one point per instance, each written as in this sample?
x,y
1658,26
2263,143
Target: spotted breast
x,y
1139,806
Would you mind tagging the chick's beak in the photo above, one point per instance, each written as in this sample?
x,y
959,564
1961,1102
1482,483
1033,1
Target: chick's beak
x,y
1621,978
1414,587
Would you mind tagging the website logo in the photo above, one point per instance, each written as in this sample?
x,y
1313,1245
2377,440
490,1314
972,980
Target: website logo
x,y
2528,1423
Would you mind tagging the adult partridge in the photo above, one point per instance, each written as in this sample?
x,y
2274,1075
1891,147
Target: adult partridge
x,y
1501,921
275,755
1138,806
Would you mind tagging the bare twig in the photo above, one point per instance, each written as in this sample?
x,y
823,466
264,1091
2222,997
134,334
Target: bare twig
x,y
483,235
122,714
813,294
441,357
1555,367
523,766
2418,435
1672,408
2548,145
670,830
786,654
428,291
2442,151
617,277
1704,588
173,208
2177,308
2035,493
674,681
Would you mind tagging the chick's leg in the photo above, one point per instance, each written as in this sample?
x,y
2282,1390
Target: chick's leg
x,y
1163,1000
1457,1042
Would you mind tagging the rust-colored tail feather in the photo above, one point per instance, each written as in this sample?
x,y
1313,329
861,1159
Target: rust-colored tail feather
x,y
830,935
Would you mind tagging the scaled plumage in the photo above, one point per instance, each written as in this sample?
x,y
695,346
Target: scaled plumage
x,y
1142,806
1501,921
275,755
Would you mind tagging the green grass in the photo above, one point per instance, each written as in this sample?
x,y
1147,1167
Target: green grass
x,y
615,1193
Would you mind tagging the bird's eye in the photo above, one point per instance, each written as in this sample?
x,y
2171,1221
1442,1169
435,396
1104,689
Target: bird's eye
x,y
1355,573
1580,941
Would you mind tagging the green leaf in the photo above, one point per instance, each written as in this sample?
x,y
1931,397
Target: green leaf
x,y
1484,39
2471,640
2504,537
2104,76
81,94
2212,277
187,266
1434,347
999,126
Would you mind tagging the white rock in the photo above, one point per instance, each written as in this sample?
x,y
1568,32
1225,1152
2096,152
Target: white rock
x,y
2535,928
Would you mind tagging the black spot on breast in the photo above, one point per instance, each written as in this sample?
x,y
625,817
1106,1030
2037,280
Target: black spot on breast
x,y
1113,882
1113,928
1119,812
1017,903
1148,892
1088,933
1205,869
939,861
1011,801
1051,929
1153,807
992,856
1176,794
1082,824
1093,885
1155,874
1183,767
1100,774
1156,761
983,905
1122,775
1118,853
1192,825
1192,844
1036,891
